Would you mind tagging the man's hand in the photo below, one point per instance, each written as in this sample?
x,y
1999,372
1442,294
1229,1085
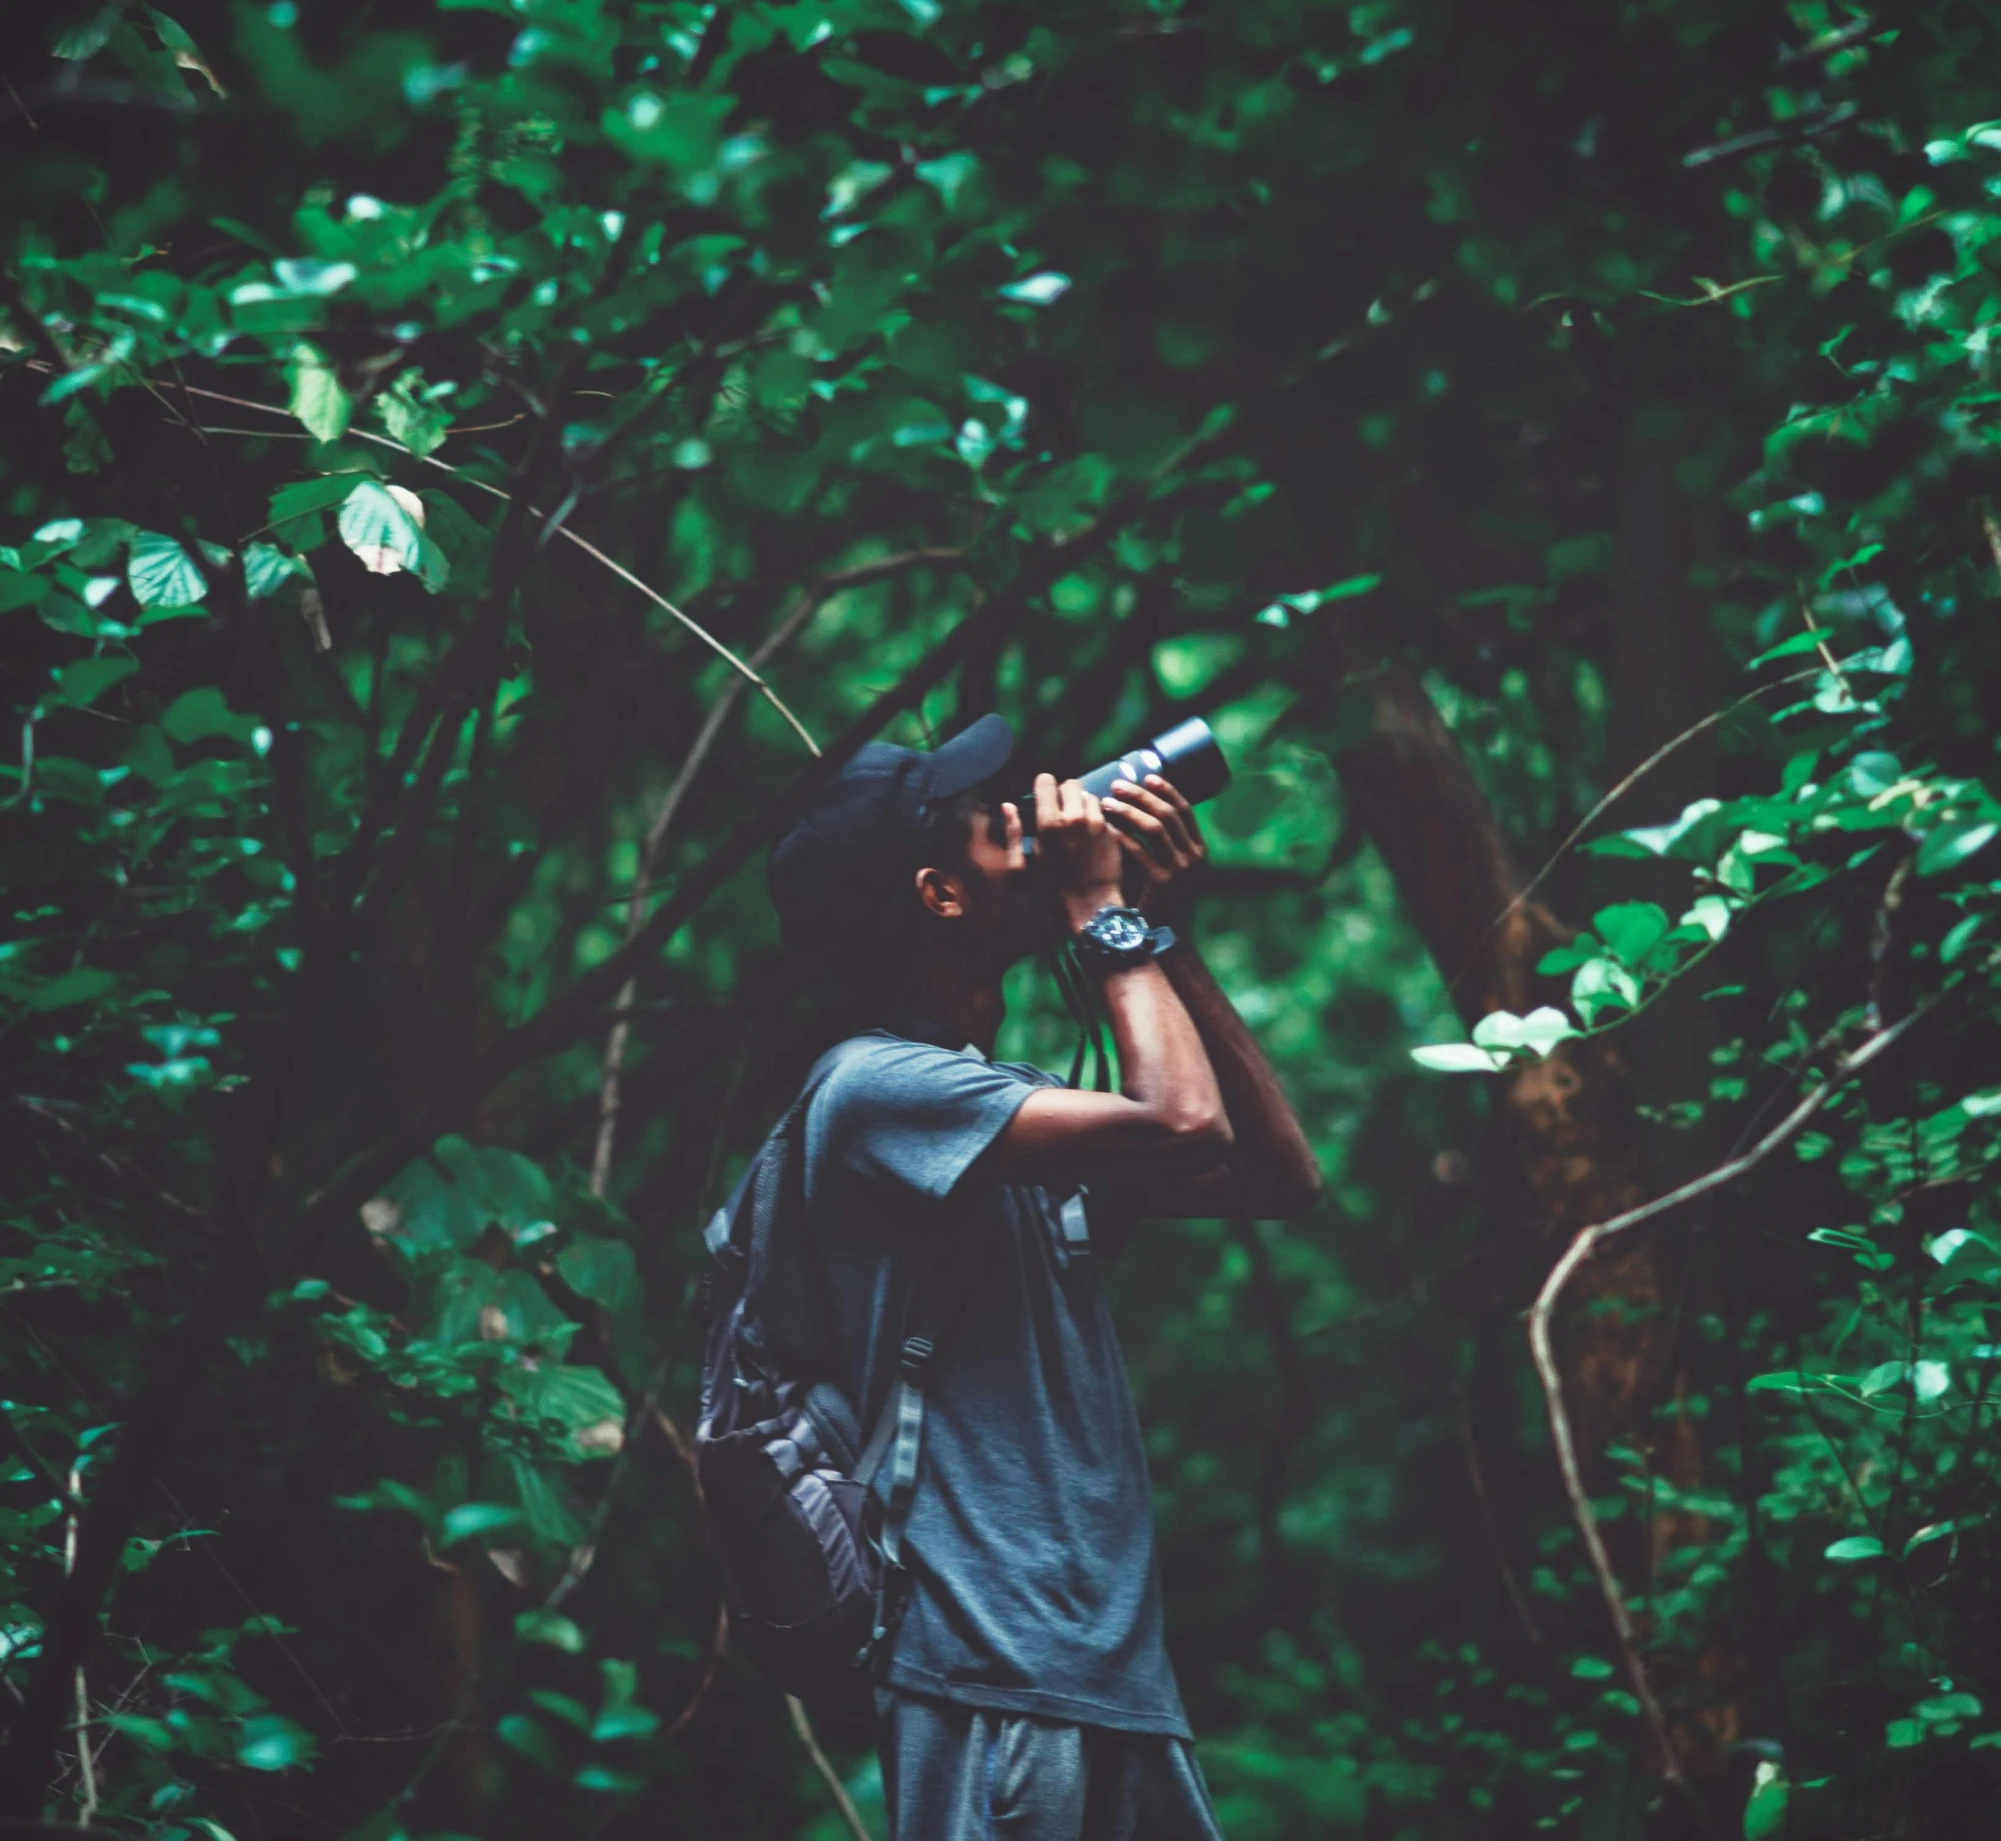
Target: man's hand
x,y
1165,854
1083,852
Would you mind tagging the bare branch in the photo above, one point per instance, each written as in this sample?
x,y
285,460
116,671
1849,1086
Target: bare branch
x,y
1541,1344
803,1726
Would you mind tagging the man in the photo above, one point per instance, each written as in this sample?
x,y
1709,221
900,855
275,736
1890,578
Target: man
x,y
1026,1692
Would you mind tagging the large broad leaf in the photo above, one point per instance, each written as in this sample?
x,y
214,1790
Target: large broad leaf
x,y
199,714
318,399
80,684
162,574
447,1200
606,1272
294,508
583,1401
384,527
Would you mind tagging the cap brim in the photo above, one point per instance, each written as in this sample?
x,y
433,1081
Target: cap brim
x,y
969,759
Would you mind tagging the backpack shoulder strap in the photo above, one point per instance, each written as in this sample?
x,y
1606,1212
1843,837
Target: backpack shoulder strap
x,y
896,1442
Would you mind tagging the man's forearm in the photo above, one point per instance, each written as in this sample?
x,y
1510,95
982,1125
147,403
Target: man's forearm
x,y
1271,1154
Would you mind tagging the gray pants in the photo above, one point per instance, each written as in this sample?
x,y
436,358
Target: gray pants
x,y
952,1773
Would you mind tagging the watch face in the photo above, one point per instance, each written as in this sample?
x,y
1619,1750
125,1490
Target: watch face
x,y
1121,930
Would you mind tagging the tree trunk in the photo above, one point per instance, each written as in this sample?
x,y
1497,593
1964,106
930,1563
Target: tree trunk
x,y
1571,1120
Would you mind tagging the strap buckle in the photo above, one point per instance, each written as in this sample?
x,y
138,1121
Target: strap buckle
x,y
917,1354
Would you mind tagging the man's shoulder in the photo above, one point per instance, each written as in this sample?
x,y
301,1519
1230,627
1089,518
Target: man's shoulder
x,y
876,1053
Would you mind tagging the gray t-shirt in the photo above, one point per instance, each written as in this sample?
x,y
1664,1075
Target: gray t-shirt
x,y
1030,1541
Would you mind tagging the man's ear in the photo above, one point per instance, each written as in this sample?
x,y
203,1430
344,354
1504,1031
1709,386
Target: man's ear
x,y
941,892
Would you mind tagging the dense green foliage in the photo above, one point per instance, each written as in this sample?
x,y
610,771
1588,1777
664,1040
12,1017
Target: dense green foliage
x,y
1608,366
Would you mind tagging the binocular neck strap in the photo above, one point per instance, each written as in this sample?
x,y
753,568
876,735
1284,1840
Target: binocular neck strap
x,y
1080,999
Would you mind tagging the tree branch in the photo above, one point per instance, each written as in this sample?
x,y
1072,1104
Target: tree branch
x,y
1541,1345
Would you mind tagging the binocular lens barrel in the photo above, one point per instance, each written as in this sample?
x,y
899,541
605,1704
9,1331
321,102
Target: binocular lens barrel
x,y
1188,755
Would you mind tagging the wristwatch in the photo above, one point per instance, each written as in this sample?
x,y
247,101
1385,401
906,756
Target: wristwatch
x,y
1114,938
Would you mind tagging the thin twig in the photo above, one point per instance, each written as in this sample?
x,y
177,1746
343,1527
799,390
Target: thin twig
x,y
1617,793
805,604
27,765
1540,1342
85,1765
828,1775
590,549
1820,645
121,1168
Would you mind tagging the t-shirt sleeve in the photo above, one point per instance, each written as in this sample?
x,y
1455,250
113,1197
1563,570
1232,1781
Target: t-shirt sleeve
x,y
913,1115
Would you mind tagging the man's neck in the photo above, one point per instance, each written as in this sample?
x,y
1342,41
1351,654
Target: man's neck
x,y
956,998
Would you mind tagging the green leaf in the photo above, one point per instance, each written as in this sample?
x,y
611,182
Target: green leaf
x,y
271,1742
87,35
621,1717
1959,939
420,425
1950,845
199,714
290,504
309,275
266,569
1038,290
161,573
1853,1547
318,399
80,684
1631,929
1765,1811
478,1518
1932,1531
529,1737
1601,985
20,589
566,1707
610,1781
1790,1381
1560,959
1458,1058
1592,1668
84,984
1535,1034
552,1628
383,526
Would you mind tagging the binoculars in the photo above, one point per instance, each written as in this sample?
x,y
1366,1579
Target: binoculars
x,y
1188,755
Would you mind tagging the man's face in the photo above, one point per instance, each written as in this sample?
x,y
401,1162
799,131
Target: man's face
x,y
1004,908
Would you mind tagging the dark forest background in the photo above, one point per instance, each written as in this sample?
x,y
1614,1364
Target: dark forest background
x,y
471,468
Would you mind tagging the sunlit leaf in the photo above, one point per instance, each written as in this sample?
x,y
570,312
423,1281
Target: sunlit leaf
x,y
161,573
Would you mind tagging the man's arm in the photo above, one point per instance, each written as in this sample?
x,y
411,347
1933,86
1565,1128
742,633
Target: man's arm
x,y
1171,1120
1271,1171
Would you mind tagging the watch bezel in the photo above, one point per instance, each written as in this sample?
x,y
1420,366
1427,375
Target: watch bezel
x,y
1105,954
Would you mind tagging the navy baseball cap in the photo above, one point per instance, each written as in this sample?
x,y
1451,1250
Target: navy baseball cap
x,y
835,869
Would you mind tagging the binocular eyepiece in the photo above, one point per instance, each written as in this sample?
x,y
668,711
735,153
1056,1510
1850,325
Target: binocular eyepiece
x,y
1188,755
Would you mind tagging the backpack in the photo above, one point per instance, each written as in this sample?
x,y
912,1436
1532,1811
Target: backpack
x,y
807,1514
